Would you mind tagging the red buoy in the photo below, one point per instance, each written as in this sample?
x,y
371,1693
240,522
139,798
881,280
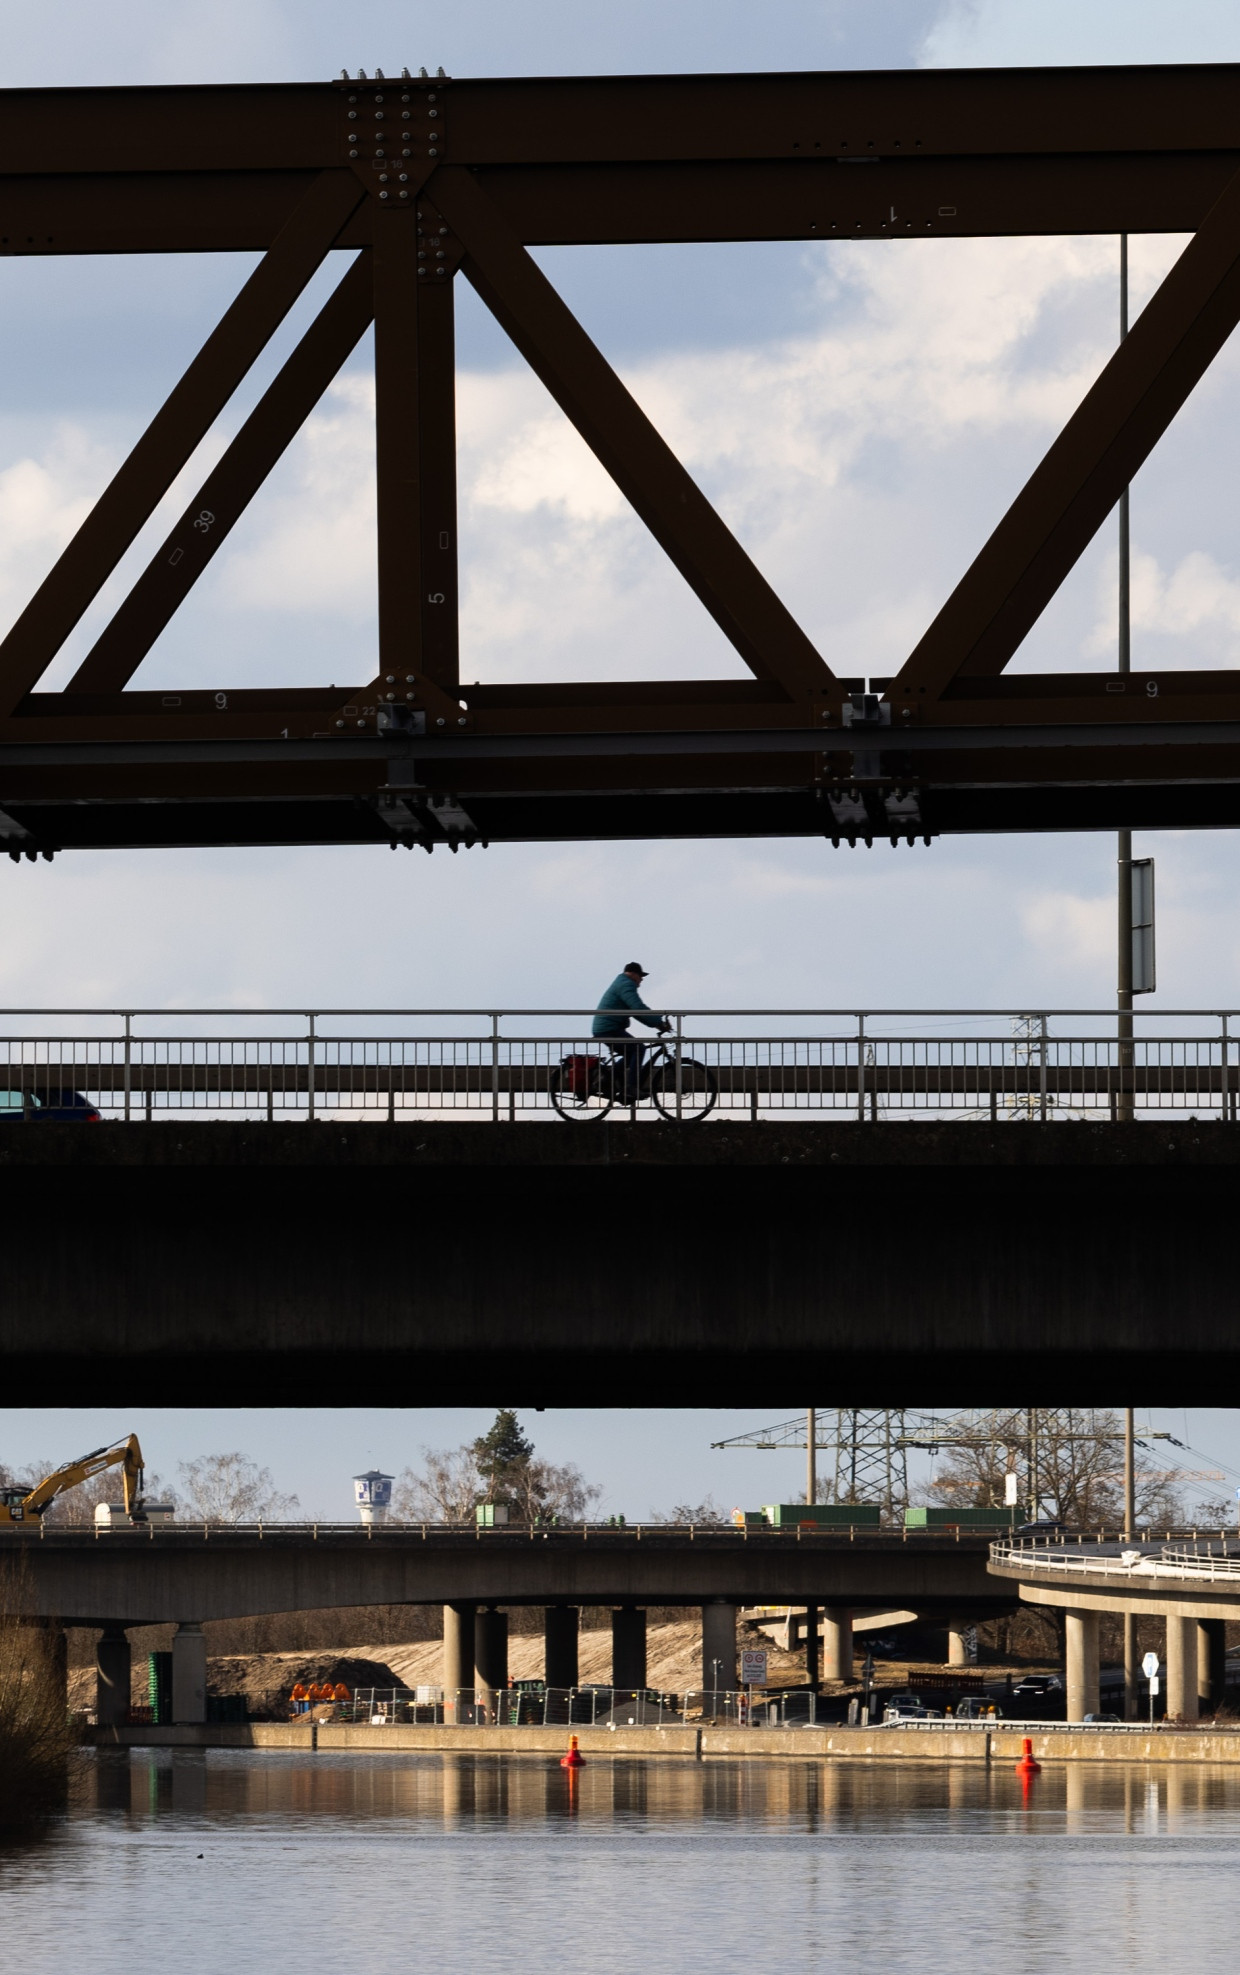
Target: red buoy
x,y
1027,1766
574,1758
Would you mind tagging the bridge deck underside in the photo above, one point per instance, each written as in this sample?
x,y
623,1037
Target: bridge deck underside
x,y
935,1264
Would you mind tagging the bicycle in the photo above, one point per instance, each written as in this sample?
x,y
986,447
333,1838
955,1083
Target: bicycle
x,y
584,1088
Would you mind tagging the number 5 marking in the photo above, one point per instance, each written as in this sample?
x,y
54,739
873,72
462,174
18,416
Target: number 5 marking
x,y
435,596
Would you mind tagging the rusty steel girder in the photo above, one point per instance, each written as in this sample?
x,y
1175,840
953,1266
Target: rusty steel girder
x,y
408,183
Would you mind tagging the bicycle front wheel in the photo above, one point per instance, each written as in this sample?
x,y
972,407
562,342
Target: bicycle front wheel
x,y
684,1091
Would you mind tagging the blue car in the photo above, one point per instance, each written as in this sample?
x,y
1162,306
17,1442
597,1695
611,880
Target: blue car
x,y
51,1107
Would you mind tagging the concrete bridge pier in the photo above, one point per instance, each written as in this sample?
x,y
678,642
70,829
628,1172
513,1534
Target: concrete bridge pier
x,y
628,1647
837,1642
490,1655
1182,1669
189,1673
560,1628
1211,1664
458,1657
112,1672
957,1650
719,1648
811,1645
1081,1663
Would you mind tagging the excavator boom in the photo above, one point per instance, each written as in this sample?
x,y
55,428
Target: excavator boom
x,y
125,1454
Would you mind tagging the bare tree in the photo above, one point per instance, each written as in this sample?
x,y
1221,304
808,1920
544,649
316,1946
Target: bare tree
x,y
452,1481
1079,1468
446,1488
681,1513
231,1488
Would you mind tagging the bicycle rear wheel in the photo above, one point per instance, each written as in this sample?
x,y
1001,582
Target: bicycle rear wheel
x,y
684,1091
582,1104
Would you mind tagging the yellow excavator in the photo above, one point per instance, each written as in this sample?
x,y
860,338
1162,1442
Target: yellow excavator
x,y
28,1504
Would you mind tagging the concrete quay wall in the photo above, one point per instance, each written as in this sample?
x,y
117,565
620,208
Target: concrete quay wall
x,y
996,1746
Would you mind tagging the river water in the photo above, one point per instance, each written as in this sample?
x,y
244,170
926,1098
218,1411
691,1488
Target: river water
x,y
224,1863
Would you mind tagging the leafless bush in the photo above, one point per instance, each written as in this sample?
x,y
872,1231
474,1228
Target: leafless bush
x,y
36,1737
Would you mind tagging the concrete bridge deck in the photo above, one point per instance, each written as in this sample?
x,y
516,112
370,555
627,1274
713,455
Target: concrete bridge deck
x,y
219,1263
187,1574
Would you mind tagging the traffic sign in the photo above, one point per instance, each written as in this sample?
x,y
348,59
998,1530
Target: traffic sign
x,y
753,1667
1149,1666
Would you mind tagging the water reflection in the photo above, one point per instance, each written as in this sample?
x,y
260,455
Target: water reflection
x,y
300,1864
459,1791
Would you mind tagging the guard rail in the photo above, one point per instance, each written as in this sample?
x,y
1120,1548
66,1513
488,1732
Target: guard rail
x,y
497,1065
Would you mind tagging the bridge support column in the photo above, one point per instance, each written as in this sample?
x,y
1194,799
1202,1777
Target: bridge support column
x,y
112,1676
1211,1664
628,1647
837,1643
718,1652
1181,1669
811,1646
189,1673
458,1660
560,1645
1081,1663
957,1651
490,1655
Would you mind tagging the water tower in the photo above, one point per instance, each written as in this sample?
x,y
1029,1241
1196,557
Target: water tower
x,y
373,1494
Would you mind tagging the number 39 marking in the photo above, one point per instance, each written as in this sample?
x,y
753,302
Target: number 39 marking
x,y
204,521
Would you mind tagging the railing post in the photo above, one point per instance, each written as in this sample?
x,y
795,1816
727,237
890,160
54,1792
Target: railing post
x,y
680,1039
861,1069
1042,1070
1229,1112
128,1063
310,1039
495,1069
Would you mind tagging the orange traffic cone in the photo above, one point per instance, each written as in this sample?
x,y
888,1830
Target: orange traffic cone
x,y
574,1759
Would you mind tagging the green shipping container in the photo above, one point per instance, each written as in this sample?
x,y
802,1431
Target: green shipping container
x,y
826,1515
997,1518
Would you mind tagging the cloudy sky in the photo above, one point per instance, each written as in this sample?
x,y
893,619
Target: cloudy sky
x,y
861,413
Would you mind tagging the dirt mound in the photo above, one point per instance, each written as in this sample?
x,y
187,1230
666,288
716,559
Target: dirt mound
x,y
267,1679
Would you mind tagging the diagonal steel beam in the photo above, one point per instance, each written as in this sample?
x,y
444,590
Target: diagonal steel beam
x,y
613,425
187,414
225,493
1110,435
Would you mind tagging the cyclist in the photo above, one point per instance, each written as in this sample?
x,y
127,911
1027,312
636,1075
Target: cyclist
x,y
623,997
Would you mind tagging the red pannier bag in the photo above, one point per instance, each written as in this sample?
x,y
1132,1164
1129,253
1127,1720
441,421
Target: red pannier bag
x,y
579,1074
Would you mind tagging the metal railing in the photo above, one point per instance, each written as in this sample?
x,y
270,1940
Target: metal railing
x,y
1175,1563
530,1704
501,1065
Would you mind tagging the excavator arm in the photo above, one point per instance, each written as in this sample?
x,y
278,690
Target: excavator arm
x,y
125,1454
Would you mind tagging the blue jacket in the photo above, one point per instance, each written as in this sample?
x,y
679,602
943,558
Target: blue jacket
x,y
623,994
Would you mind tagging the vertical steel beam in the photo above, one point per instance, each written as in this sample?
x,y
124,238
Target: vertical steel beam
x,y
415,451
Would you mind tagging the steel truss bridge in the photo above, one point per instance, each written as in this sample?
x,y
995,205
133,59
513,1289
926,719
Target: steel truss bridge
x,y
408,184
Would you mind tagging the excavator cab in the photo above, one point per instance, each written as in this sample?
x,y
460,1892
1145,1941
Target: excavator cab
x,y
13,1504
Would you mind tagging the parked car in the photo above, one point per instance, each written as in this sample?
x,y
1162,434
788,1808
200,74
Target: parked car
x,y
893,1715
48,1107
978,1707
1037,1686
1046,1527
1100,1717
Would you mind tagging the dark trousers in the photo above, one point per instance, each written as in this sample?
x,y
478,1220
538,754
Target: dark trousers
x,y
627,1064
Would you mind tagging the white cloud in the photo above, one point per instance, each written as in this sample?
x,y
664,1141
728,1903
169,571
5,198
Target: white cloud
x,y
1073,935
